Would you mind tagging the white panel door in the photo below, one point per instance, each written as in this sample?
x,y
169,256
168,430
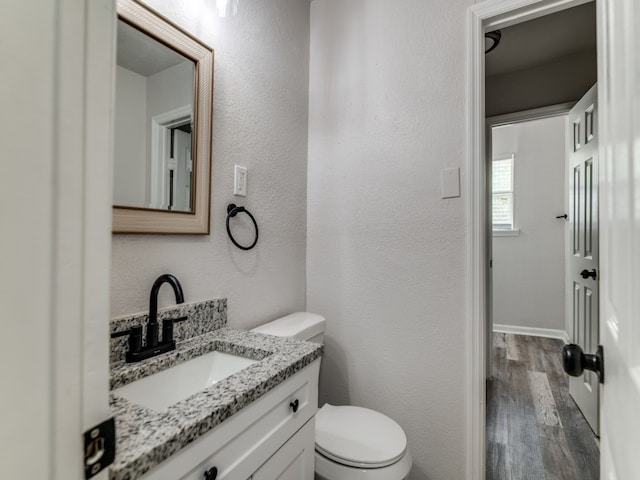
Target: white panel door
x,y
182,173
55,245
619,95
582,143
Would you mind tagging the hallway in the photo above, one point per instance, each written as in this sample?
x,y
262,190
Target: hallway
x,y
534,429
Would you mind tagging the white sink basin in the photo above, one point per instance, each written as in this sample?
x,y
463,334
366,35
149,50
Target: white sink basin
x,y
161,390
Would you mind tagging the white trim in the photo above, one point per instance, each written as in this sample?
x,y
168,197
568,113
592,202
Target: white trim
x,y
100,54
81,229
533,114
489,15
476,206
506,233
160,125
532,331
505,13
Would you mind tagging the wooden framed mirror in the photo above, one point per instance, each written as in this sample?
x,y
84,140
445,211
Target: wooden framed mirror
x,y
164,105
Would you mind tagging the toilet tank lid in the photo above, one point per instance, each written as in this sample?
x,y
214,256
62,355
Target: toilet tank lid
x,y
298,325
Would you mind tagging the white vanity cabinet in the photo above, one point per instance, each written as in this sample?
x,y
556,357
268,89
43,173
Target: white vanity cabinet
x,y
267,440
294,460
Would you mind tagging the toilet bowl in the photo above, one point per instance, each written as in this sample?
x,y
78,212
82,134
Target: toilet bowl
x,y
352,443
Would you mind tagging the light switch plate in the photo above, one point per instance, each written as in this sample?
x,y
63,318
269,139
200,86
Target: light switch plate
x,y
450,182
240,181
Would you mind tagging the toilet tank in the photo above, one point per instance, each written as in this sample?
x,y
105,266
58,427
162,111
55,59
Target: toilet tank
x,y
300,325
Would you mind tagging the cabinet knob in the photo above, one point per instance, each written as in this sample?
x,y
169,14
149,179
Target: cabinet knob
x,y
211,474
294,405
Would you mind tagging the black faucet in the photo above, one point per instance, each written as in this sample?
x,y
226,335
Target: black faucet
x,y
152,326
152,348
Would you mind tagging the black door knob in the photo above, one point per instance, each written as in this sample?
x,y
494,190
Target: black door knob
x,y
294,405
575,361
589,273
211,474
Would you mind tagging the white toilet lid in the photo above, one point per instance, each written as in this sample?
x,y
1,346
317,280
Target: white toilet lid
x,y
358,437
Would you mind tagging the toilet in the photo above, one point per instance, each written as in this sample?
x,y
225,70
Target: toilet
x,y
352,443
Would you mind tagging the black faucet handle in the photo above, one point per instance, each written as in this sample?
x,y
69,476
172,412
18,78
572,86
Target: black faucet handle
x,y
135,338
167,330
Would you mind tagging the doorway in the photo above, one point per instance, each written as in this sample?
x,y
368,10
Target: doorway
x,y
534,427
489,18
531,413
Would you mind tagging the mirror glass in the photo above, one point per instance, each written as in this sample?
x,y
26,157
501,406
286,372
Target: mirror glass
x,y
153,164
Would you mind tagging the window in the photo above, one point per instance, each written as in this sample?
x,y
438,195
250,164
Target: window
x,y
502,193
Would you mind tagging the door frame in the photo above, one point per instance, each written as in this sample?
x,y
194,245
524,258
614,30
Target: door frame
x,y
486,16
161,125
57,284
81,229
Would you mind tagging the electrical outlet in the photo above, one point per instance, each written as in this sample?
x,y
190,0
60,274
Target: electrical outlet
x,y
240,181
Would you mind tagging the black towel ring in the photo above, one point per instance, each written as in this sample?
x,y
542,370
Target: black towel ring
x,y
232,211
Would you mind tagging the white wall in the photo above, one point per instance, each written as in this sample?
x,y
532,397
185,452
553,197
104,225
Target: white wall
x,y
562,81
529,269
385,254
260,121
170,88
130,147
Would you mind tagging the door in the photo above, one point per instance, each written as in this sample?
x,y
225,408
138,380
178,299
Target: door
x,y
180,197
583,246
56,239
619,24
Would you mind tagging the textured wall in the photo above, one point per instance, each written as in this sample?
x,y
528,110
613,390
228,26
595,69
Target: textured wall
x,y
260,121
528,270
385,254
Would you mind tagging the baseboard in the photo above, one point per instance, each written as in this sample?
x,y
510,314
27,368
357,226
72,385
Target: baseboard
x,y
532,331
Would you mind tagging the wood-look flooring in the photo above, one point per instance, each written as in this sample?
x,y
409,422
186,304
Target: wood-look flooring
x,y
535,431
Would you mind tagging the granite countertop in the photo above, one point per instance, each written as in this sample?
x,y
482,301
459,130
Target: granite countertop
x,y
145,438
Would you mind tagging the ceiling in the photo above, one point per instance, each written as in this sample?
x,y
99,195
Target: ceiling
x,y
544,40
142,54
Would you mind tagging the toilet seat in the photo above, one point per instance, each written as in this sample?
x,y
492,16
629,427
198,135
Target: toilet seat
x,y
358,437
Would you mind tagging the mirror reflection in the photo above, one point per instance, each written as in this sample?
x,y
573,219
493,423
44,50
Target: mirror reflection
x,y
153,165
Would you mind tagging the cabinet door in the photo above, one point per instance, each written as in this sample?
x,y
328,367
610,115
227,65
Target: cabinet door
x,y
294,460
248,439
